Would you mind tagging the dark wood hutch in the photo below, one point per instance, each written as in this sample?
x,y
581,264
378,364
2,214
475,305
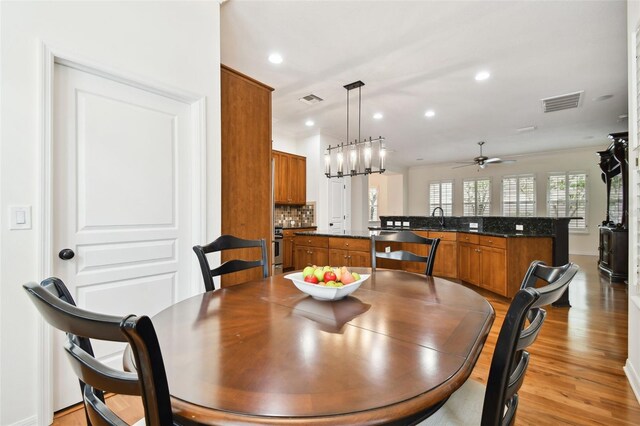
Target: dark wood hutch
x,y
614,232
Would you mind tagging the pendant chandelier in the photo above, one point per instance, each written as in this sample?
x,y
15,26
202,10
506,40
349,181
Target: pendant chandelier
x,y
357,157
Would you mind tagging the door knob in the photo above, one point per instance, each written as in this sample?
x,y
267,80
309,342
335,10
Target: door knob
x,y
66,254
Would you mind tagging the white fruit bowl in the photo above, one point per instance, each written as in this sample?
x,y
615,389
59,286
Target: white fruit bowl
x,y
320,292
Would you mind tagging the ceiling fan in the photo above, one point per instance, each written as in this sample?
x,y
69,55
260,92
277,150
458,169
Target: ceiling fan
x,y
482,160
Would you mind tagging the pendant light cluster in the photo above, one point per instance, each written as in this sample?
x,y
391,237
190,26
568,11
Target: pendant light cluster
x,y
357,157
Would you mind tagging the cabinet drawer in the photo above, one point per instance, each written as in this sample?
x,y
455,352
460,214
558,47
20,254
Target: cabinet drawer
x,y
498,242
357,244
468,238
303,240
443,235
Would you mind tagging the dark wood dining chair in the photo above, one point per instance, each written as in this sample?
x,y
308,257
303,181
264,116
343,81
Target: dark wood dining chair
x,y
405,255
496,404
150,381
230,242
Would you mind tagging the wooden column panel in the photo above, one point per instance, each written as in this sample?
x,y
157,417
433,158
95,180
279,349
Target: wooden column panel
x,y
246,165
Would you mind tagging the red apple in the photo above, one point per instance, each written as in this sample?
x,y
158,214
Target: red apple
x,y
311,279
329,276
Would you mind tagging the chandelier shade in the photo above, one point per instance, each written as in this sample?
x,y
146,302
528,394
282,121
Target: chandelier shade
x,y
357,157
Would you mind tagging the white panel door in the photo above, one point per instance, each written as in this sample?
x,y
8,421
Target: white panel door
x,y
336,205
121,203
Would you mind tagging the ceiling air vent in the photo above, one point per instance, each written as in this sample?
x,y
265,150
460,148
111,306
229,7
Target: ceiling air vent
x,y
311,99
557,103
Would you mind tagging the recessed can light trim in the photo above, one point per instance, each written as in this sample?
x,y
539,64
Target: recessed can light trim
x,y
275,58
482,75
309,123
378,116
430,113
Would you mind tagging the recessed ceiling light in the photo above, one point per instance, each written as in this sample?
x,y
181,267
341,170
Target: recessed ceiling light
x,y
275,58
526,129
603,98
378,116
482,75
429,113
419,159
309,123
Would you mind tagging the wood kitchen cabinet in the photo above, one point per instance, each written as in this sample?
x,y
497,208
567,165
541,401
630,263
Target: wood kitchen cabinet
x,y
446,263
310,250
290,178
498,264
245,167
288,255
351,252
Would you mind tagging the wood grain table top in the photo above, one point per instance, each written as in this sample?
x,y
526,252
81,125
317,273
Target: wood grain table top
x,y
265,353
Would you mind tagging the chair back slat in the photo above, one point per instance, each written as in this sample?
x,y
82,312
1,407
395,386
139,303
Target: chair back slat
x,y
71,319
520,328
230,242
234,265
405,255
517,377
97,411
530,333
98,375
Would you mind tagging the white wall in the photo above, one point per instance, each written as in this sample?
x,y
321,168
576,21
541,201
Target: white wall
x,y
584,159
284,142
632,367
173,43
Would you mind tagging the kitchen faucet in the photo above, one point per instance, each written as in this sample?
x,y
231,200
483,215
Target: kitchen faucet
x,y
433,213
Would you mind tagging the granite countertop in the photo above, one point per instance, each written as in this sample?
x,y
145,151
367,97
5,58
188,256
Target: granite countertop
x,y
375,230
300,227
365,234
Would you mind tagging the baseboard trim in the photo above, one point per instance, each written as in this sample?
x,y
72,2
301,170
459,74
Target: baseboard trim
x,y
29,421
633,377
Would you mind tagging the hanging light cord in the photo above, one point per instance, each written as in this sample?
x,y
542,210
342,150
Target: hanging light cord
x,y
359,110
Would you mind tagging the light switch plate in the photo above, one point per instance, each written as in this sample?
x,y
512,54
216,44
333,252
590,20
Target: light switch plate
x,y
519,228
387,249
20,217
473,225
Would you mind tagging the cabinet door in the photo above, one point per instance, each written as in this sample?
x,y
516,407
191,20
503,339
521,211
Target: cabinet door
x,y
298,180
301,257
280,172
360,259
287,252
469,263
494,269
319,256
446,264
338,258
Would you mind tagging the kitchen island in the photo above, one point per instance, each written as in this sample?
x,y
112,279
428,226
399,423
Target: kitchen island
x,y
493,256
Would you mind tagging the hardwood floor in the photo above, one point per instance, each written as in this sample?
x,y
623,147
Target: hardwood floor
x,y
575,376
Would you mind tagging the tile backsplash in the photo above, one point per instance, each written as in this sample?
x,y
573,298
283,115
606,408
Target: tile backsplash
x,y
295,216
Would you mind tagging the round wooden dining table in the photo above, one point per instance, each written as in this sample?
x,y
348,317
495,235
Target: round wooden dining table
x,y
263,352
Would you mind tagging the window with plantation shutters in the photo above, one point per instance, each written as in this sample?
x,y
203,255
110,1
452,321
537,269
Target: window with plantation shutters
x,y
476,195
567,197
441,195
519,196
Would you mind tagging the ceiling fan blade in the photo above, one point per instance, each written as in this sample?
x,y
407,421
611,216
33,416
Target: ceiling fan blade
x,y
464,165
493,160
508,161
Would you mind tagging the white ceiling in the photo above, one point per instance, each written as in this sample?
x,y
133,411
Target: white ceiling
x,y
420,55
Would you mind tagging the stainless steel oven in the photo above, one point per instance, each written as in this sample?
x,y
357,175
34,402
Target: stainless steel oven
x,y
276,251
